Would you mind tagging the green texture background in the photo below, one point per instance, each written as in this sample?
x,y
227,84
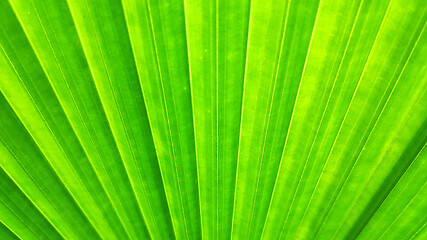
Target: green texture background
x,y
213,119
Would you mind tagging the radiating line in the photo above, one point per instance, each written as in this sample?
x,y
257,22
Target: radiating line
x,y
241,119
167,117
369,135
118,110
2,168
10,229
345,116
418,231
292,115
282,40
19,218
217,112
324,110
74,103
193,115
400,214
54,137
40,189
391,191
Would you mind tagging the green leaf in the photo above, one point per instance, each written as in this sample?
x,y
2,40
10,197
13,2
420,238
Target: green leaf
x,y
213,119
21,214
216,35
6,233
157,33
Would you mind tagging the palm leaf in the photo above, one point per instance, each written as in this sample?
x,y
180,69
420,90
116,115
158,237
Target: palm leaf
x,y
213,119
